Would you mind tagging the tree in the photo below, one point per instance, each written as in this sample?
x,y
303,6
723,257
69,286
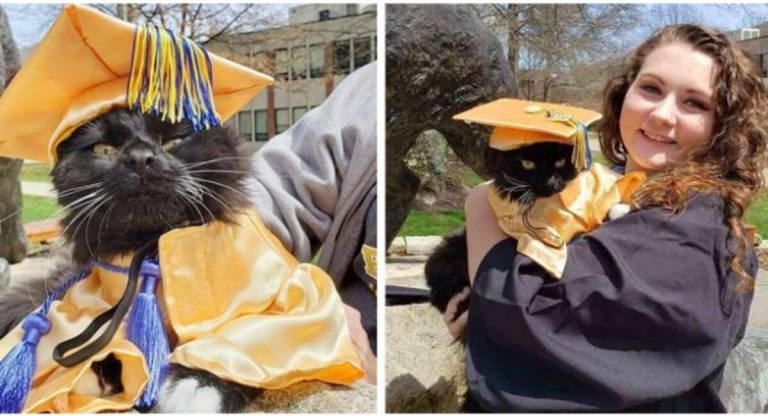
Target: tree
x,y
13,242
548,41
659,15
202,22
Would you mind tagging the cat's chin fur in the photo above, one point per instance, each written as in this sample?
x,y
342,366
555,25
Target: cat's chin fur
x,y
139,198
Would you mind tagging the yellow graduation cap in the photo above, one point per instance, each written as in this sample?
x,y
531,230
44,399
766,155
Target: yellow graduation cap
x,y
89,63
519,123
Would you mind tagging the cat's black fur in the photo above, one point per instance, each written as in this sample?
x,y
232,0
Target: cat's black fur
x,y
446,269
143,191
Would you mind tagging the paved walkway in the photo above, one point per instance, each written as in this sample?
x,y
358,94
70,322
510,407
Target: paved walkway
x,y
38,189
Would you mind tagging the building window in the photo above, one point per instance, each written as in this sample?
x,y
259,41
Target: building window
x,y
362,51
281,64
298,112
341,58
261,62
317,60
764,65
244,125
282,120
261,125
352,9
299,62
373,52
325,15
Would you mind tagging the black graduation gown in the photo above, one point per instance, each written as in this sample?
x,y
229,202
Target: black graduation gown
x,y
643,318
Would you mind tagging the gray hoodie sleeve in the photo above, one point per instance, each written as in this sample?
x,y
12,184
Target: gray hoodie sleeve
x,y
309,178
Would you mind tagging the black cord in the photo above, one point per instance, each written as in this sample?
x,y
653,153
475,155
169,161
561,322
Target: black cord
x,y
113,315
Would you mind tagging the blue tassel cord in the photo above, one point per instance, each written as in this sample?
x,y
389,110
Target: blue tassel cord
x,y
147,332
17,368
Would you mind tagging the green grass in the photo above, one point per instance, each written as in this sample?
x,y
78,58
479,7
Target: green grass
x,y
37,208
757,215
599,158
35,172
470,178
432,223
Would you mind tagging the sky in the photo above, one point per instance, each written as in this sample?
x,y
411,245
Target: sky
x,y
30,22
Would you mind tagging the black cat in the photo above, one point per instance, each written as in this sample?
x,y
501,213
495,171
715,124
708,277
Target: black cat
x,y
521,175
126,178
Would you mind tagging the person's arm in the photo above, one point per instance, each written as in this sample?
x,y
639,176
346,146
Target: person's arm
x,y
642,313
304,178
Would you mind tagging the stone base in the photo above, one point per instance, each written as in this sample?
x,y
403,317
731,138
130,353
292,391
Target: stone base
x,y
425,370
318,397
426,374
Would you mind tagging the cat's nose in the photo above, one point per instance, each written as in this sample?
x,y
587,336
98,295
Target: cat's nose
x,y
140,159
554,183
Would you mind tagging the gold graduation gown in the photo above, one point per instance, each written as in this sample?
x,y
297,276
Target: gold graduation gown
x,y
236,304
577,209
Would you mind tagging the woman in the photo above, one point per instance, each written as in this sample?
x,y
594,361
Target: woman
x,y
650,305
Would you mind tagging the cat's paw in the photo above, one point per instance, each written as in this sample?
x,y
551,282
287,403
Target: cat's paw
x,y
189,395
617,211
187,390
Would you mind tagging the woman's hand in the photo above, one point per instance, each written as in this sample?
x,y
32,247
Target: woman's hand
x,y
456,326
360,341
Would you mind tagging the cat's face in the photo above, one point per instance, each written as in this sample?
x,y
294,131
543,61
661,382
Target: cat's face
x,y
540,169
127,177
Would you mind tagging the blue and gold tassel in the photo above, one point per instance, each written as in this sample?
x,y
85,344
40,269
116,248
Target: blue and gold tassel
x,y
581,156
147,332
171,77
18,366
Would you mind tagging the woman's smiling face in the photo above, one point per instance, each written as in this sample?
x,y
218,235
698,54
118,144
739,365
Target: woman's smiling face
x,y
669,109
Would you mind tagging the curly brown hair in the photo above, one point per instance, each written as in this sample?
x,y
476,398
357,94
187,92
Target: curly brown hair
x,y
732,163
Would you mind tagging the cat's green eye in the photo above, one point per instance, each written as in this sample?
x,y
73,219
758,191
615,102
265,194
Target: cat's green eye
x,y
104,149
171,144
560,163
528,165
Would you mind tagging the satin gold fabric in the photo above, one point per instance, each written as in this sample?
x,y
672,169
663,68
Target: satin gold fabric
x,y
239,304
79,71
579,208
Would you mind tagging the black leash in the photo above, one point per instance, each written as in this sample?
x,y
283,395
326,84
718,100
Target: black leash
x,y
402,295
113,315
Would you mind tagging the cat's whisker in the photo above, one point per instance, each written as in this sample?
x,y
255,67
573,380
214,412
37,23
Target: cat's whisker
x,y
219,171
193,189
195,204
224,186
88,224
215,160
72,205
78,189
18,211
104,218
512,179
82,214
217,197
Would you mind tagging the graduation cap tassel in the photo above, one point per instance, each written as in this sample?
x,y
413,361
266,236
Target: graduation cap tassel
x,y
584,133
580,153
18,367
171,77
147,332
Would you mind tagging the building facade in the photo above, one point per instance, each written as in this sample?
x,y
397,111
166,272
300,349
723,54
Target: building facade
x,y
308,57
